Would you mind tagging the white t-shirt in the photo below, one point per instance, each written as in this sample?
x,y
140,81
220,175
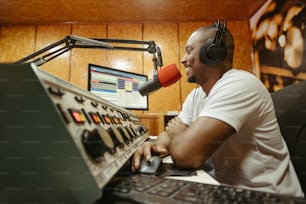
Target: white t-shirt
x,y
256,157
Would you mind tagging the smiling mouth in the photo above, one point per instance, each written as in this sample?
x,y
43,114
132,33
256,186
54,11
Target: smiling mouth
x,y
187,67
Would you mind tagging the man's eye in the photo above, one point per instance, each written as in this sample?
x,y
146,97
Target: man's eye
x,y
188,51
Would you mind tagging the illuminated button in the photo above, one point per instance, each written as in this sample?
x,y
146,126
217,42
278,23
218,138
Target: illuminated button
x,y
114,119
107,119
118,121
77,115
95,117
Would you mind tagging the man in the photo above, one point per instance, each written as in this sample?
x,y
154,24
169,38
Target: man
x,y
228,122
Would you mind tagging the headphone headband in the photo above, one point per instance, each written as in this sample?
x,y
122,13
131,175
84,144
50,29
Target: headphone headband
x,y
213,51
221,29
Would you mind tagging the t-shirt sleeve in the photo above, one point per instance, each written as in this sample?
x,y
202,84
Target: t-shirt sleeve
x,y
187,109
234,102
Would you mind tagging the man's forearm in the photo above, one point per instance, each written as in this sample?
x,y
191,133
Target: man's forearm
x,y
163,140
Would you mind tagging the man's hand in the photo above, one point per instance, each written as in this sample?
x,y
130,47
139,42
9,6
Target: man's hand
x,y
146,151
175,126
161,145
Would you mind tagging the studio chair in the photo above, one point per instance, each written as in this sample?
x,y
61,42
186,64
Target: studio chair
x,y
290,108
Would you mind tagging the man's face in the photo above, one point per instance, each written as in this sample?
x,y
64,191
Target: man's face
x,y
191,59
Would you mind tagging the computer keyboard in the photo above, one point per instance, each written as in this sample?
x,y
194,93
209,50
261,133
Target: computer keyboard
x,y
140,188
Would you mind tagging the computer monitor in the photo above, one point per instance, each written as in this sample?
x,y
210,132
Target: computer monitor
x,y
117,86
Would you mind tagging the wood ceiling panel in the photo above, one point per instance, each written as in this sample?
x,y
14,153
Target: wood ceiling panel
x,y
36,12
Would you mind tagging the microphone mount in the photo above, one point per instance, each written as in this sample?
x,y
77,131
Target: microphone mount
x,y
72,41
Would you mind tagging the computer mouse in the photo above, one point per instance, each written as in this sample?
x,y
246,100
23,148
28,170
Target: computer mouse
x,y
150,167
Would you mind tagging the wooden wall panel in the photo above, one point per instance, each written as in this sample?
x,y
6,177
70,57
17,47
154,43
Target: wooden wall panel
x,y
16,42
243,45
19,41
166,36
125,60
154,123
47,35
80,58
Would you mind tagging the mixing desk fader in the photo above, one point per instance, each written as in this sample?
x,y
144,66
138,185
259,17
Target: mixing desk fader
x,y
59,143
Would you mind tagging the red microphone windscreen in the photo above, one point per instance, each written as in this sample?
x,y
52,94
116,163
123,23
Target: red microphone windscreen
x,y
168,75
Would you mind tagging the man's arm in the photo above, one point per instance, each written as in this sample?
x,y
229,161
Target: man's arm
x,y
198,142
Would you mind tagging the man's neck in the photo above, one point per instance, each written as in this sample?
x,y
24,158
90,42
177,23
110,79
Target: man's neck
x,y
212,80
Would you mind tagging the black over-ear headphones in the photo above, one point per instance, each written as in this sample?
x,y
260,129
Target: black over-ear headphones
x,y
213,51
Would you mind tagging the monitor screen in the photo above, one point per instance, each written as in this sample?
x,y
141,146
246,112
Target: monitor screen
x,y
117,86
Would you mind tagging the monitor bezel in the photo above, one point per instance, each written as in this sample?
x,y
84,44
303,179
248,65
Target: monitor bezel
x,y
90,65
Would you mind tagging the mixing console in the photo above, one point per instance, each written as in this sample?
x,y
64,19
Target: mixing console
x,y
58,138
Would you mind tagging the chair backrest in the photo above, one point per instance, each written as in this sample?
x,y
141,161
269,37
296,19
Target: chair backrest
x,y
290,108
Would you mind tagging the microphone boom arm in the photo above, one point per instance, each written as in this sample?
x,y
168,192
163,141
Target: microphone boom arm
x,y
72,41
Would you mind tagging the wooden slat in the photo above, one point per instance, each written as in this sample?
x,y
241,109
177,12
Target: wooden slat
x,y
72,66
37,12
243,45
49,34
166,36
80,58
125,60
16,42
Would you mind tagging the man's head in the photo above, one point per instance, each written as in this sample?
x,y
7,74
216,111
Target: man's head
x,y
201,41
213,50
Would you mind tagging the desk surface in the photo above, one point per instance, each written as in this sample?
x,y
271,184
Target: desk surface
x,y
201,176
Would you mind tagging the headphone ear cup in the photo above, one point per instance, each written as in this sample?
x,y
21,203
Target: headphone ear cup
x,y
211,54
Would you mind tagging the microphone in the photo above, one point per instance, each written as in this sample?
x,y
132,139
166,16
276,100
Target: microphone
x,y
167,76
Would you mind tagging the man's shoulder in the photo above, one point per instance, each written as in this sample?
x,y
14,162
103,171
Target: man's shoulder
x,y
240,77
239,72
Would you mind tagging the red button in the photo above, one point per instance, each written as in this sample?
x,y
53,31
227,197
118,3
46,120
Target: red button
x,y
95,117
77,116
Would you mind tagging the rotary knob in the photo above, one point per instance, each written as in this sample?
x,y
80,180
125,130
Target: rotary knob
x,y
116,137
96,143
142,129
125,135
131,132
